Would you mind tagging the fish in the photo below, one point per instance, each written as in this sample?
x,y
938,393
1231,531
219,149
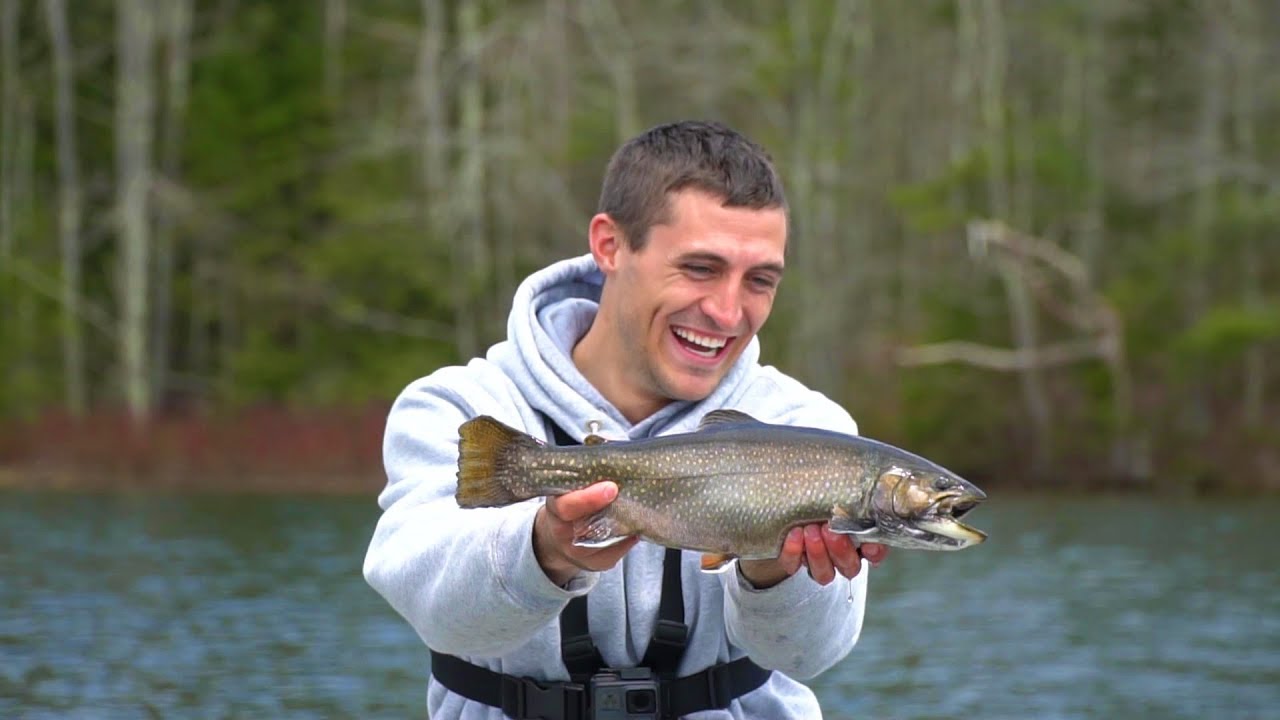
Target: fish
x,y
732,489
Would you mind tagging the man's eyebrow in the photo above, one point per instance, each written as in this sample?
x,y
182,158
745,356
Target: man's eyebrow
x,y
703,256
714,259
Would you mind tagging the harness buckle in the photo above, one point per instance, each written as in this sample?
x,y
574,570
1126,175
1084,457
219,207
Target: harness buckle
x,y
671,633
526,699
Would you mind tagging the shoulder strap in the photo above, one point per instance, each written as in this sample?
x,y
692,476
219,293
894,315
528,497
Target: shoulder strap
x,y
670,634
580,655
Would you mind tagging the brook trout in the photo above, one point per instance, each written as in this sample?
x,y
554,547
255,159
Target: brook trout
x,y
733,489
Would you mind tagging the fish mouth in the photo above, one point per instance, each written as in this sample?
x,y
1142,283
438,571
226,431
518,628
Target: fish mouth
x,y
942,519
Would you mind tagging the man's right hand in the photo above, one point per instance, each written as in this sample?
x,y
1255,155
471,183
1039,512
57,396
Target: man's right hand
x,y
553,534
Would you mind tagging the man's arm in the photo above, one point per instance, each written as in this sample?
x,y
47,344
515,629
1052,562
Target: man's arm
x,y
468,581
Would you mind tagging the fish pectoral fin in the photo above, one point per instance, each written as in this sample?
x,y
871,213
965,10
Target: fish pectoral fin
x,y
724,416
716,562
600,531
850,525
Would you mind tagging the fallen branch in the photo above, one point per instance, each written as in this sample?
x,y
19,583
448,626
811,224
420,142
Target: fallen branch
x,y
995,358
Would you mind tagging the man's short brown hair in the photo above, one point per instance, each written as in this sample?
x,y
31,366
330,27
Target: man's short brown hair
x,y
706,156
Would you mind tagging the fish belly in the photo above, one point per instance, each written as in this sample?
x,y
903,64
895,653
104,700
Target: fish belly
x,y
746,516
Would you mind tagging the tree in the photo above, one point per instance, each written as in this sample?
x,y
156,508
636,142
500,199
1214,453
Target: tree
x,y
135,39
69,207
176,18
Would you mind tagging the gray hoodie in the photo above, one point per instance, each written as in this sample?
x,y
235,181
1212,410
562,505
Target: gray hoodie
x,y
468,582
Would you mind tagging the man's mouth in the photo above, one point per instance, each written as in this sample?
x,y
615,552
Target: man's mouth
x,y
704,346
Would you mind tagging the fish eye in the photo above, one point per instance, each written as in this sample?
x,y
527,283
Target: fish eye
x,y
943,482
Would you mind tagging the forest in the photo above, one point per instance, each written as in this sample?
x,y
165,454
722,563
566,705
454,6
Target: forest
x,y
1036,241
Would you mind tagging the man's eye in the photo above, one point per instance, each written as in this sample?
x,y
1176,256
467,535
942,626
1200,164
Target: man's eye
x,y
697,269
764,283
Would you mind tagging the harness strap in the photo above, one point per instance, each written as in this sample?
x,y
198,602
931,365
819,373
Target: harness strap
x,y
520,698
670,634
580,655
525,699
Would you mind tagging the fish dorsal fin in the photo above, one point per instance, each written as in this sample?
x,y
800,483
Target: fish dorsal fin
x,y
593,439
724,416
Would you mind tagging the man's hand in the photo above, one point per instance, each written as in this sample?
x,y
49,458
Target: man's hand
x,y
823,551
553,534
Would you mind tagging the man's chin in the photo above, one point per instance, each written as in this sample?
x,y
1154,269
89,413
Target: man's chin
x,y
692,381
689,388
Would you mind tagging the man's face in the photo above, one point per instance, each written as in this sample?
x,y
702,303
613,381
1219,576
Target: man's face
x,y
689,302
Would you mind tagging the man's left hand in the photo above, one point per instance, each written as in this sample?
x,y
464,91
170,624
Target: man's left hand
x,y
816,546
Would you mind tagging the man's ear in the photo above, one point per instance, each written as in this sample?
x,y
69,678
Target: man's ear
x,y
606,240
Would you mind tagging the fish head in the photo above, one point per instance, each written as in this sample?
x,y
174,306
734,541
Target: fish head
x,y
921,507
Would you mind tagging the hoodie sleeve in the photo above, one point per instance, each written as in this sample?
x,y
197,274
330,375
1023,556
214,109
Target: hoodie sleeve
x,y
465,579
797,627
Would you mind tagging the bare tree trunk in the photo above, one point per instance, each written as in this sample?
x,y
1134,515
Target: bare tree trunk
x,y
454,201
814,173
561,78
803,195
24,182
335,29
861,287
134,110
1020,308
176,15
511,126
434,160
74,385
614,48
1024,171
8,120
1204,208
12,303
962,80
468,201
1093,231
1247,51
559,129
229,326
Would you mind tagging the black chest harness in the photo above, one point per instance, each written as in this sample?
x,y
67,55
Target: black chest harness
x,y
594,691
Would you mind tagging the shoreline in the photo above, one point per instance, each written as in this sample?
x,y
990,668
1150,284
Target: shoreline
x,y
338,451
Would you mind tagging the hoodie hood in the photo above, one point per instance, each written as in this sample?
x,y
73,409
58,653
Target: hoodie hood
x,y
552,310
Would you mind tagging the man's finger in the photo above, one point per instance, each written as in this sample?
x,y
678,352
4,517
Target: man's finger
x,y
874,552
582,503
792,551
843,553
819,559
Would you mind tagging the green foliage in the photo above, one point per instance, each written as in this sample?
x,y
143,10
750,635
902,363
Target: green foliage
x,y
311,269
1225,333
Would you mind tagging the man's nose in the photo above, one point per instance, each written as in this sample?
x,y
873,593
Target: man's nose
x,y
724,306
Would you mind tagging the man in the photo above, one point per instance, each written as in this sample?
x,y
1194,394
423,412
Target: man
x,y
644,336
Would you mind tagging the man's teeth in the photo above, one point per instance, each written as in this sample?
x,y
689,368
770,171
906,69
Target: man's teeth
x,y
709,344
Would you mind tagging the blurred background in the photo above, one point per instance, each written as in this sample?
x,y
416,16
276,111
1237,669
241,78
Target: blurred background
x,y
1036,241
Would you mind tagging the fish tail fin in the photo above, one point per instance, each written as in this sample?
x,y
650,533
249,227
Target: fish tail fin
x,y
488,475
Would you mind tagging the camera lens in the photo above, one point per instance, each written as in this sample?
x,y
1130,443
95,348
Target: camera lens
x,y
641,701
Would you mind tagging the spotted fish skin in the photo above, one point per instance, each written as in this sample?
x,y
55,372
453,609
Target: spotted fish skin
x,y
733,488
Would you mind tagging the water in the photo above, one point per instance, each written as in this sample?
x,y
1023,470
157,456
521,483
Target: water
x,y
133,606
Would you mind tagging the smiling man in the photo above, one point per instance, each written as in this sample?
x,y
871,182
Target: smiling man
x,y
642,337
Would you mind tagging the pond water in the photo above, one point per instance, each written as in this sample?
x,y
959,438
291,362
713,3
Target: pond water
x,y
136,606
